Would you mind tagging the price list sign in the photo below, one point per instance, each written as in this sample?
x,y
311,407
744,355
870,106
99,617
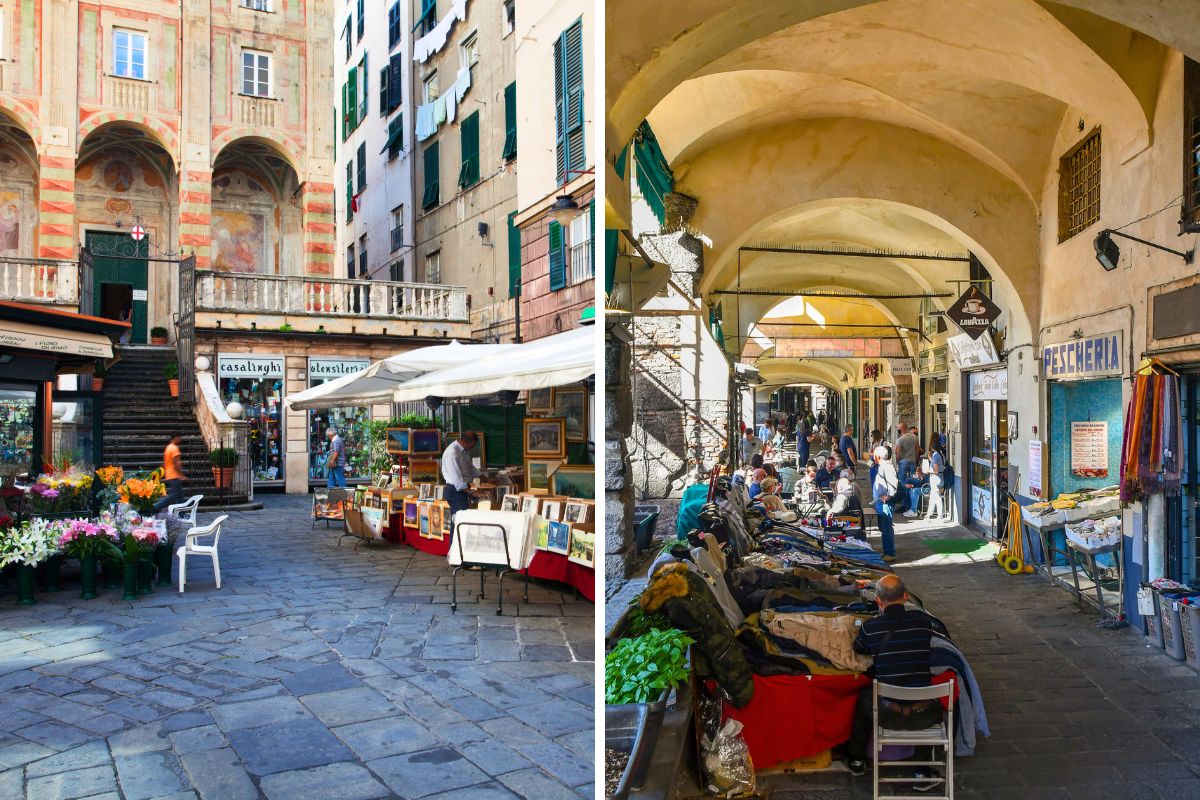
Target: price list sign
x,y
1089,449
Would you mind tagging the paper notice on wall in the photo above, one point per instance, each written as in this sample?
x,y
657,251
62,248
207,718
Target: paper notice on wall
x,y
1035,469
1089,449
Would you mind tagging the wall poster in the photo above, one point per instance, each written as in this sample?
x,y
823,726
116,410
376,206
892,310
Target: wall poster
x,y
1089,449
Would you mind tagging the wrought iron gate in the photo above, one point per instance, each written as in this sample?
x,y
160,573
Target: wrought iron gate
x,y
85,281
185,330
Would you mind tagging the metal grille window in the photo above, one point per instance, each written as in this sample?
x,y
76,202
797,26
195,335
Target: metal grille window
x,y
256,74
1190,220
433,267
1079,187
257,5
397,228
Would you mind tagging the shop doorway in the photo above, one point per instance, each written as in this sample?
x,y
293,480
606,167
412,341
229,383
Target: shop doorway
x,y
1183,512
988,454
120,279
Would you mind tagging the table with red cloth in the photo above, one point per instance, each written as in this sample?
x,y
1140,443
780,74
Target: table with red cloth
x,y
557,567
436,547
797,716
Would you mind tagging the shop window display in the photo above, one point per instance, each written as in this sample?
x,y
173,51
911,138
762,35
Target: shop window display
x,y
17,414
262,400
353,425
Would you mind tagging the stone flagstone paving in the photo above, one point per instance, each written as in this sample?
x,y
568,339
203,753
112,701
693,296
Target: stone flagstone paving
x,y
316,671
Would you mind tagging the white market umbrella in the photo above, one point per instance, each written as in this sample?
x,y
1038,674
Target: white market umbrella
x,y
374,384
554,361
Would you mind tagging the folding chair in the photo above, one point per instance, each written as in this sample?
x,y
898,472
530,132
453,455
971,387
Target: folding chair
x,y
940,735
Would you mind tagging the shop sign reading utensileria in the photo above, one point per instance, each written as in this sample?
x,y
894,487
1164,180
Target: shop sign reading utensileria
x,y
335,367
1089,357
250,366
974,312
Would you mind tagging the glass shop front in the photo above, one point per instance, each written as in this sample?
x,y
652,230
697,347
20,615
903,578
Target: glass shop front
x,y
256,382
987,450
351,422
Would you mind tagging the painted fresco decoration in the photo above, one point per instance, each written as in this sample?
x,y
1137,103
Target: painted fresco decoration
x,y
10,222
238,240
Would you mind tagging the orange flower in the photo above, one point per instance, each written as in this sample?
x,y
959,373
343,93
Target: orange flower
x,y
111,476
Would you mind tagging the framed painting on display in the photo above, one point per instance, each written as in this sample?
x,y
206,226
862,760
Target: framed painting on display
x,y
537,474
575,481
399,441
539,401
426,442
572,406
558,537
582,549
545,438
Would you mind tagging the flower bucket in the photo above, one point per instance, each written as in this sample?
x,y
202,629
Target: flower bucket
x,y
25,582
111,574
163,556
87,566
130,575
50,569
145,572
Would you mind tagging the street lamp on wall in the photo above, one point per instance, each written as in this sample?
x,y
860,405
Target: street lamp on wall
x,y
565,210
1108,253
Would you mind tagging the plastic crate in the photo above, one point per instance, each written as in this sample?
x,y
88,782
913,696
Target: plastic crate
x,y
1189,618
1154,628
1172,624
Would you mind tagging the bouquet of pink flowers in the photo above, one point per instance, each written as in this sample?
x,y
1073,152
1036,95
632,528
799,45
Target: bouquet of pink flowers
x,y
79,537
148,538
136,544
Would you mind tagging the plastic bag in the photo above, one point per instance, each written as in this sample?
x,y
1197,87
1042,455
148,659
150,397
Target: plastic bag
x,y
728,769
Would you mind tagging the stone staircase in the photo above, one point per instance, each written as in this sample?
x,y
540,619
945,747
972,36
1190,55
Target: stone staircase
x,y
140,415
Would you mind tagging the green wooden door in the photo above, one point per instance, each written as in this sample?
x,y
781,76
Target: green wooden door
x,y
119,260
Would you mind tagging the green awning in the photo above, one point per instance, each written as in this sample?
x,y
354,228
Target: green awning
x,y
654,177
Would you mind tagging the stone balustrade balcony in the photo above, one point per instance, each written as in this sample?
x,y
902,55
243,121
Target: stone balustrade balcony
x,y
39,280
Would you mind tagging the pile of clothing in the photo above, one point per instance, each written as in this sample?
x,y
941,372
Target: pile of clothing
x,y
764,604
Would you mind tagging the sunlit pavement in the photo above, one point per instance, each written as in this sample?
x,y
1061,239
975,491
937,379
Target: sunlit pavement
x,y
316,671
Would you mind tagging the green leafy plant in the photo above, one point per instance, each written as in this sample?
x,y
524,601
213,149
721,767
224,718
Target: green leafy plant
x,y
638,622
158,332
378,459
172,371
223,457
639,670
285,328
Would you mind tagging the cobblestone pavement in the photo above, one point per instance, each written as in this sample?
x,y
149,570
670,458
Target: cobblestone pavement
x,y
1075,711
316,671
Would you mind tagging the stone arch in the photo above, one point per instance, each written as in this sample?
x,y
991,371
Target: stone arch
x,y
910,175
156,130
677,39
20,198
22,118
232,137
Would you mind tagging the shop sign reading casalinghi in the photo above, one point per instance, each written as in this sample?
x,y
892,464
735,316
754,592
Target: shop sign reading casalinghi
x,y
1089,357
250,366
335,367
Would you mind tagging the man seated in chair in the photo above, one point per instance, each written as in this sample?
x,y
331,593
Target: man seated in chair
x,y
898,639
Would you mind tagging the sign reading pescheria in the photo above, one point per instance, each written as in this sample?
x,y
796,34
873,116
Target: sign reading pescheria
x,y
1089,357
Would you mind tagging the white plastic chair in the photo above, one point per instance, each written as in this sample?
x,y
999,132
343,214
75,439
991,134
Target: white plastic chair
x,y
186,511
940,735
191,547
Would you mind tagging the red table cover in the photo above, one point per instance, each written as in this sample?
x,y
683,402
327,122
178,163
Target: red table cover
x,y
797,716
413,538
556,567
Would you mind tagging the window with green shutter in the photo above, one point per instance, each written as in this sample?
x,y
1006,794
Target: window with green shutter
x,y
428,19
395,82
514,257
568,102
352,99
468,172
345,110
349,190
394,32
362,167
362,18
395,140
558,258
383,92
430,198
363,95
510,122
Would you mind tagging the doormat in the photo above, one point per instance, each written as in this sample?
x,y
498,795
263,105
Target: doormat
x,y
947,547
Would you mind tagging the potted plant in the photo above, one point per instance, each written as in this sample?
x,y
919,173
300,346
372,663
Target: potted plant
x,y
224,460
172,373
87,541
98,376
158,335
27,545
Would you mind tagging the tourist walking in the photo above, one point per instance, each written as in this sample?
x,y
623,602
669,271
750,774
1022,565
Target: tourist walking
x,y
882,491
335,460
173,475
937,469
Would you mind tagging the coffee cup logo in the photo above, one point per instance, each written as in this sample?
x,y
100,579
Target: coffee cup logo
x,y
973,306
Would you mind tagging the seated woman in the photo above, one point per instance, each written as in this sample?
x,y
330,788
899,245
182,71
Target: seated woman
x,y
843,495
769,496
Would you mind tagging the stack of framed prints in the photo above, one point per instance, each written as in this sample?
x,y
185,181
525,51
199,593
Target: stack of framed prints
x,y
421,447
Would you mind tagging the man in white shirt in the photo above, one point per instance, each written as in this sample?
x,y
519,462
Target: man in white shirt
x,y
458,472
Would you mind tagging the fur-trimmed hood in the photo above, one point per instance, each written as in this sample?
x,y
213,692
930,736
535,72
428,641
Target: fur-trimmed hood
x,y
669,581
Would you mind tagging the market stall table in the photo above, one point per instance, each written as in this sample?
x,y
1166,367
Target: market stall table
x,y
556,567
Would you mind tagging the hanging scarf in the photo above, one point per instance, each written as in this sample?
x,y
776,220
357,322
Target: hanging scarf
x,y
1152,443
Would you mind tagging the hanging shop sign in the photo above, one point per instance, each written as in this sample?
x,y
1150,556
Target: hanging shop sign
x,y
901,366
250,366
969,353
1089,449
974,312
1090,357
1035,469
328,368
871,372
991,384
